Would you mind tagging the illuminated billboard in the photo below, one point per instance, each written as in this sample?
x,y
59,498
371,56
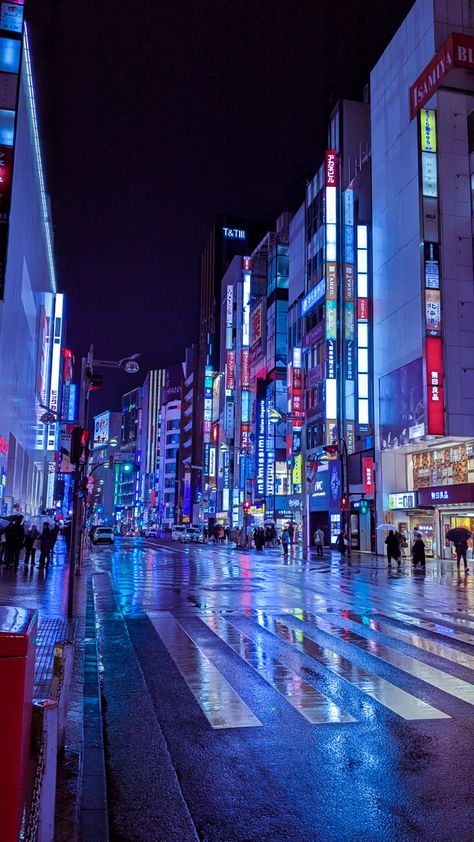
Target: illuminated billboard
x,y
54,382
101,430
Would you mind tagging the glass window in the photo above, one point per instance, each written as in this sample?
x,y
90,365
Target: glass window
x,y
9,55
7,127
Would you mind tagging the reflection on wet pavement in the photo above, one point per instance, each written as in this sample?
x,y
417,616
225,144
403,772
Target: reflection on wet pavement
x,y
431,675
315,707
221,705
391,697
439,628
443,650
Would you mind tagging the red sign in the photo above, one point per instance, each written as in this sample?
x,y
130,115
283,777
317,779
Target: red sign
x,y
245,373
6,165
362,310
434,379
246,264
230,379
331,168
368,474
457,51
3,446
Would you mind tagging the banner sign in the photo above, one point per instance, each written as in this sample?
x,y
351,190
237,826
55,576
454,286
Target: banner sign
x,y
457,51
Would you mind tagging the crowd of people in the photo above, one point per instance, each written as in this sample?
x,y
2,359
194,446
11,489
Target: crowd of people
x,y
17,538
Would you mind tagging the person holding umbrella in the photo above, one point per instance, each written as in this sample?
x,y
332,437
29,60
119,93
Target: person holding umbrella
x,y
459,537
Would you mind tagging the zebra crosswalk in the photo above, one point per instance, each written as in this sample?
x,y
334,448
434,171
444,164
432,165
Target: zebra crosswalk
x,y
330,667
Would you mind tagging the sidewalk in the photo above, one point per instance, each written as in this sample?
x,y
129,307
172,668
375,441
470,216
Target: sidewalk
x,y
46,590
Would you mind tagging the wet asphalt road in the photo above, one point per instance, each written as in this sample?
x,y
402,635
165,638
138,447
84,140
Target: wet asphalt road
x,y
249,699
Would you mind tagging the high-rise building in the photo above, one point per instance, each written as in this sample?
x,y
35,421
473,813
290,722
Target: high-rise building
x,y
170,426
31,309
150,443
422,113
336,341
189,475
229,236
127,461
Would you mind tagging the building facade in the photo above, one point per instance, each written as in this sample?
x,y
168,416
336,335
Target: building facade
x,y
423,171
31,309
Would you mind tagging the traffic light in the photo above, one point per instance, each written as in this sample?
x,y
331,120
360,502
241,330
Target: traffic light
x,y
364,507
79,446
246,506
344,503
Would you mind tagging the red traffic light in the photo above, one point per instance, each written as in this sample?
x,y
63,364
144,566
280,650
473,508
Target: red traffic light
x,y
246,506
344,504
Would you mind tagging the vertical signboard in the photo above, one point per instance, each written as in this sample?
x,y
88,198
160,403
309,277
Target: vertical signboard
x,y
363,326
431,277
368,475
260,423
331,289
57,333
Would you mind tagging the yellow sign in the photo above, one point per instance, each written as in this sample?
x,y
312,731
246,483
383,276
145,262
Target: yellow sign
x,y
428,130
297,475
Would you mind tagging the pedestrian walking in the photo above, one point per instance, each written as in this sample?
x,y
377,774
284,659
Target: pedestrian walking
x,y
3,548
461,552
393,547
45,545
32,543
15,537
285,540
418,552
319,541
291,533
341,543
54,535
259,538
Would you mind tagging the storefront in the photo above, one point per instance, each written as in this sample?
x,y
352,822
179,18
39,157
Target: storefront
x,y
432,512
362,525
452,506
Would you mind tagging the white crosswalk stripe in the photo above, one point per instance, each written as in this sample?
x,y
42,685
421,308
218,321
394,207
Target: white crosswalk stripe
x,y
391,697
443,650
418,669
221,705
265,642
429,625
313,705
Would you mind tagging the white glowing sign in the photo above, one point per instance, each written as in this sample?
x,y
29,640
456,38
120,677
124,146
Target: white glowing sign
x,y
57,330
246,310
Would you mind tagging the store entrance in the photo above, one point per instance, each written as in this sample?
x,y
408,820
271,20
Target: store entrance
x,y
453,521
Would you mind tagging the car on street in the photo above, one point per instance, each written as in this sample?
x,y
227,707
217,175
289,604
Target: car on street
x,y
196,534
178,533
102,535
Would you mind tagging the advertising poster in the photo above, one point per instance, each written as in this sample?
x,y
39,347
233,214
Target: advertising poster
x,y
230,384
433,311
101,429
402,414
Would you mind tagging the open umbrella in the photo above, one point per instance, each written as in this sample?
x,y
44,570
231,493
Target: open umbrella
x,y
459,533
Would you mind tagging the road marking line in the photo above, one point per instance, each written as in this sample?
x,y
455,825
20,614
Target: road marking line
x,y
433,626
219,702
308,701
418,669
387,694
443,650
450,618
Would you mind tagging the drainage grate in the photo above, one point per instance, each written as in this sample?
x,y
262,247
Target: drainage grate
x,y
49,631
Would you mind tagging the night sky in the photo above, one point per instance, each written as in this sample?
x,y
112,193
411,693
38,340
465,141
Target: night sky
x,y
155,117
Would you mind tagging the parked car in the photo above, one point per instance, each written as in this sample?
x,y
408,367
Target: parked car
x,y
196,534
151,532
102,535
178,533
